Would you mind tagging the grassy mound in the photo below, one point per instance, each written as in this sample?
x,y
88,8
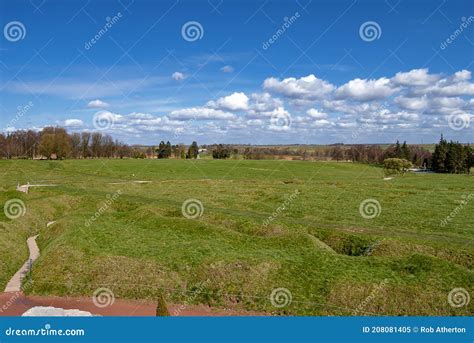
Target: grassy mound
x,y
252,240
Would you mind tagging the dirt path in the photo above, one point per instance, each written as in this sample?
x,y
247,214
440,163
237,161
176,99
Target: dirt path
x,y
25,188
14,285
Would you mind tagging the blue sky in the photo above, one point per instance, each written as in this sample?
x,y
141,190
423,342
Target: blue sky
x,y
258,72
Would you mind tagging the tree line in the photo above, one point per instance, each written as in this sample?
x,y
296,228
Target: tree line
x,y
57,143
452,157
372,154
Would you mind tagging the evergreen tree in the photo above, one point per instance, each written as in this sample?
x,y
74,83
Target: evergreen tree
x,y
405,152
168,150
161,150
439,156
451,157
193,151
398,150
469,157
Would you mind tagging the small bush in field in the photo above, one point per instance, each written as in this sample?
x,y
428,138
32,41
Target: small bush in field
x,y
396,165
161,308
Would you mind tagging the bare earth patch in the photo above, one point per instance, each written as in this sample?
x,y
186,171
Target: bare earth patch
x,y
133,308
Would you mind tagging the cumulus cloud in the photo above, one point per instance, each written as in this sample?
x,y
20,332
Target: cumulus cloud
x,y
463,75
308,122
308,106
415,77
262,105
200,113
308,87
227,69
366,90
73,123
177,76
316,114
452,89
280,120
97,104
234,102
412,103
455,85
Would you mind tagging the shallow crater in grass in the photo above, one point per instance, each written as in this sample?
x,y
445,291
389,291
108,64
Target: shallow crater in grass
x,y
346,244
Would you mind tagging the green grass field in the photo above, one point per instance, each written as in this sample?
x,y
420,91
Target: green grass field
x,y
320,248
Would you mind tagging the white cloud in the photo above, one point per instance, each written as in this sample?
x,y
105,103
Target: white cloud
x,y
200,113
97,104
262,105
388,117
404,103
351,108
280,120
463,75
136,123
365,90
412,103
415,77
455,89
316,114
449,102
135,115
308,87
452,86
227,69
234,102
429,104
177,76
73,123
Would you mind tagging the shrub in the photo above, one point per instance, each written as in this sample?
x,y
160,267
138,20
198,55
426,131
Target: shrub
x,y
161,308
396,165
